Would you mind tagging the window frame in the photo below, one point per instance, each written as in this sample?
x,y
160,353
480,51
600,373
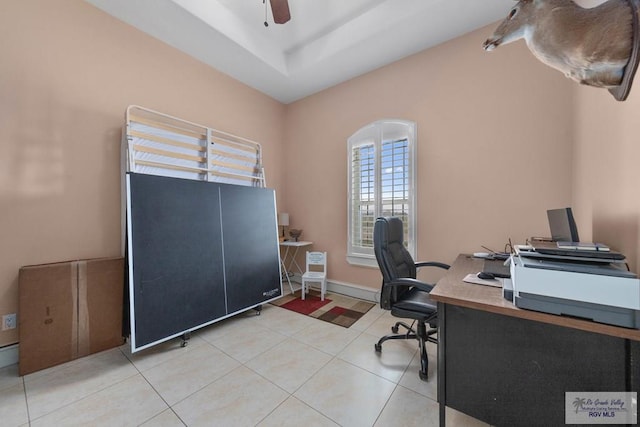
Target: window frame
x,y
373,134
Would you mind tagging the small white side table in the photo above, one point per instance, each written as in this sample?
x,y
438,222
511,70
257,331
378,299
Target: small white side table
x,y
290,253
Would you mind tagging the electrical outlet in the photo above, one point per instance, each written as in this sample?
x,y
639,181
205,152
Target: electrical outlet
x,y
9,321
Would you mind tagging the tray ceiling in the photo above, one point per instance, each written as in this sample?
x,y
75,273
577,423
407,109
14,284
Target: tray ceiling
x,y
325,43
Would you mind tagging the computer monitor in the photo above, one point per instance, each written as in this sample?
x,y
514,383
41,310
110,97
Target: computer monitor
x,y
562,225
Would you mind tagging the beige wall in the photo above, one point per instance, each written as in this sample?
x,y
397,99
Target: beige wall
x,y
494,149
68,73
607,172
501,138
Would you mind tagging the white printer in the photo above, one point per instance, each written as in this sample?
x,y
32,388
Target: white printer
x,y
597,289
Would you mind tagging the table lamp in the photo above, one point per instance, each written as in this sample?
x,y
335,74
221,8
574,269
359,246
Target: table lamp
x,y
283,221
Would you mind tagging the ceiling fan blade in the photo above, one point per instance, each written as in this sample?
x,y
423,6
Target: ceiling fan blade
x,y
280,10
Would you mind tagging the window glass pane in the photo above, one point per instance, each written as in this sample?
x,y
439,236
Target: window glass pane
x,y
380,182
394,181
363,195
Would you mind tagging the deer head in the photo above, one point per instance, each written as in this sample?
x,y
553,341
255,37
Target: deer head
x,y
514,27
591,46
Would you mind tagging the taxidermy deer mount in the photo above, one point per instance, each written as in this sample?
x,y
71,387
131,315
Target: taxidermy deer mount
x,y
597,46
280,11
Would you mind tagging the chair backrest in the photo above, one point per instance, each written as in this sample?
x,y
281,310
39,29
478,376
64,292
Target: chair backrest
x,y
393,258
317,261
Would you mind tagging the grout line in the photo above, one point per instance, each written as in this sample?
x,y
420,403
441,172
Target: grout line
x,y
145,378
99,390
26,400
333,357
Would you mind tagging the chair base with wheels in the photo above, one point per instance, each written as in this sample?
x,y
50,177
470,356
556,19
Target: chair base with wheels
x,y
420,333
402,293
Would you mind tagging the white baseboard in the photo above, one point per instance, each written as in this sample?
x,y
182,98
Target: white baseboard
x,y
353,290
342,288
8,355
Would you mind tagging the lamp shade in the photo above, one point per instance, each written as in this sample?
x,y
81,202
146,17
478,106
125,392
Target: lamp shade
x,y
283,219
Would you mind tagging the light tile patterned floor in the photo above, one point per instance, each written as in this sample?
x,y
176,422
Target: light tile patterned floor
x,y
277,369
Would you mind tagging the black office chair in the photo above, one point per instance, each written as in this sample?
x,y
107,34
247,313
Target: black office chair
x,y
401,293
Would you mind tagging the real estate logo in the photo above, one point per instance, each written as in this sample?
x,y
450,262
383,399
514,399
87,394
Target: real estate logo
x,y
601,407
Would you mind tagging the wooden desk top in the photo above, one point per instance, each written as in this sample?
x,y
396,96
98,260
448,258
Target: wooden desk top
x,y
452,290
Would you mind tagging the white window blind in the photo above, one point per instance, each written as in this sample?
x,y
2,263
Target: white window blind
x,y
381,183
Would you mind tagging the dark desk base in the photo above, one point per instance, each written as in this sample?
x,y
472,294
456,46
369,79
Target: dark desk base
x,y
508,371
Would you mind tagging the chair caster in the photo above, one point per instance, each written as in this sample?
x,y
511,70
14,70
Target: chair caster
x,y
395,329
423,376
378,347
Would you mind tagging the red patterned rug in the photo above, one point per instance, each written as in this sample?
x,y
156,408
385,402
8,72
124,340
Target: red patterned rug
x,y
306,306
337,309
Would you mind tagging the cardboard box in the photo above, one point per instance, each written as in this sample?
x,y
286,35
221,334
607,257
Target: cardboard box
x,y
69,310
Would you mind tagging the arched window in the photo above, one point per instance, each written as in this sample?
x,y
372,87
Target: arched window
x,y
381,183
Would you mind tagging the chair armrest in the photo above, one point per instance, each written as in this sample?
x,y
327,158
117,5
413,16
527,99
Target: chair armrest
x,y
432,264
411,282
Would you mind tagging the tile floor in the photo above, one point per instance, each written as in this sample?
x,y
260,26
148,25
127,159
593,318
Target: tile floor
x,y
277,369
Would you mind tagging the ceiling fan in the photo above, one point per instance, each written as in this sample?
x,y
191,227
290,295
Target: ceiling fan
x,y
280,11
